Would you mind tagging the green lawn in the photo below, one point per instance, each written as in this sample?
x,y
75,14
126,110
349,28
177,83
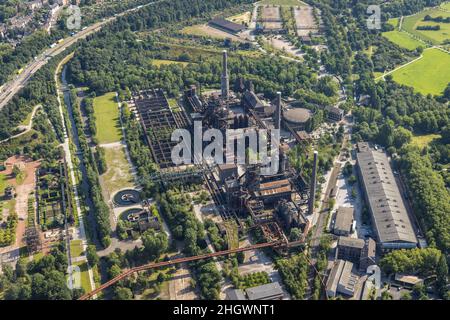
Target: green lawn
x,y
76,248
446,6
85,281
118,175
403,40
431,74
158,62
436,37
107,119
3,183
394,22
424,140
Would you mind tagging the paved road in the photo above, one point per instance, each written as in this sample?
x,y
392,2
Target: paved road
x,y
25,128
10,89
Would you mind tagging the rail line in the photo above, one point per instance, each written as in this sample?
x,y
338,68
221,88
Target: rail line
x,y
177,261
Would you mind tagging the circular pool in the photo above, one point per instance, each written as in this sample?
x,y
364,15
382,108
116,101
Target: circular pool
x,y
130,215
127,197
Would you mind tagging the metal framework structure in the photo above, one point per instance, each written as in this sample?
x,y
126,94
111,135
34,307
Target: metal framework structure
x,y
177,261
159,121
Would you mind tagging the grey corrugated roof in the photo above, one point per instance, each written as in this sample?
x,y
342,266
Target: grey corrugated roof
x,y
236,294
392,223
351,242
344,219
264,292
234,27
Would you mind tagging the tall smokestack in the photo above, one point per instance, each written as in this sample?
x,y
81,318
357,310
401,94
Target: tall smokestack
x,y
278,112
225,77
312,193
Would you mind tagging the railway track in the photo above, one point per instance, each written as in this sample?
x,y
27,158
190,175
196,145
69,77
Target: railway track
x,y
177,261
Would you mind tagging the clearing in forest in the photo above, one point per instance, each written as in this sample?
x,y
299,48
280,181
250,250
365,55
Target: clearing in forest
x,y
423,141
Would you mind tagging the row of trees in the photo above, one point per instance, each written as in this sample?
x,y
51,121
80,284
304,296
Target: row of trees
x,y
100,209
430,198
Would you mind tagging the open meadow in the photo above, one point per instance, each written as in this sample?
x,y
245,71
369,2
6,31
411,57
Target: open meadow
x,y
107,119
411,23
429,75
403,40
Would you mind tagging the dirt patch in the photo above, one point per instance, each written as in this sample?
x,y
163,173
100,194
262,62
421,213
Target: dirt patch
x,y
204,30
180,285
305,20
271,14
24,184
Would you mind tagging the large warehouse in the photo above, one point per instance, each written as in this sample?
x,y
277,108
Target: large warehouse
x,y
390,219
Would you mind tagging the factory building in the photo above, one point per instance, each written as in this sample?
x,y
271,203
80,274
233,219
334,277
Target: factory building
x,y
290,215
297,118
274,191
344,221
390,219
341,279
241,190
335,114
359,251
226,25
270,291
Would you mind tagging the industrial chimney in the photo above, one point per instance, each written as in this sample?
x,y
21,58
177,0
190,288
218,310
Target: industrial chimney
x,y
278,111
312,193
225,77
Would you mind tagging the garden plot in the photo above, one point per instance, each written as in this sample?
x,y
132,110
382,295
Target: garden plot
x,y
20,174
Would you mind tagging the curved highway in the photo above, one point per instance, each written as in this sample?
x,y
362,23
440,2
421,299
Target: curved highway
x,y
10,89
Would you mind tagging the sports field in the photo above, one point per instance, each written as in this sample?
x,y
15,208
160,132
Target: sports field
x,y
434,36
429,75
403,40
107,119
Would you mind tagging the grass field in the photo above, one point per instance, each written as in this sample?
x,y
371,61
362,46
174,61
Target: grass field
x,y
446,6
76,248
3,183
158,62
107,119
85,281
431,74
282,2
424,140
436,37
118,175
403,40
393,22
